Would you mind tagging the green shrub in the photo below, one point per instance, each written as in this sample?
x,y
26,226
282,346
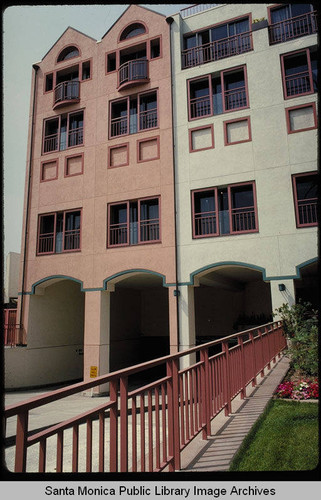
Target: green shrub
x,y
300,324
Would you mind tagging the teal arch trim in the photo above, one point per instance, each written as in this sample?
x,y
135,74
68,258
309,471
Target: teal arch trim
x,y
130,271
60,276
226,263
304,264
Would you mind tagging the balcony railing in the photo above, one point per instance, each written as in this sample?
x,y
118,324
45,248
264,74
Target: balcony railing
x,y
133,72
149,230
46,243
145,428
147,119
66,92
243,219
298,84
50,143
307,210
200,106
219,49
72,240
75,137
197,8
10,320
305,24
205,224
235,98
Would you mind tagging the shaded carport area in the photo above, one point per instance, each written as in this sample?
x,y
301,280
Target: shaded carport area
x,y
307,286
139,319
228,299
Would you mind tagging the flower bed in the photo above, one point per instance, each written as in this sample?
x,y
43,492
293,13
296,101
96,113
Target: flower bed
x,y
298,390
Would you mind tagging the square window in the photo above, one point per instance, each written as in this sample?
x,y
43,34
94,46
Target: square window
x,y
118,155
74,165
49,171
148,149
201,138
301,118
237,131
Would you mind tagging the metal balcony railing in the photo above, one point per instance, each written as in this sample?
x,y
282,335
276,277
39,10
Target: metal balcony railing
x,y
307,210
219,49
66,92
132,72
298,84
146,428
305,24
9,327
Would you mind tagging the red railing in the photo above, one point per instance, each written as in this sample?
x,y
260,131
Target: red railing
x,y
235,98
205,223
131,71
219,49
145,429
50,143
307,210
9,327
298,84
200,106
243,219
305,24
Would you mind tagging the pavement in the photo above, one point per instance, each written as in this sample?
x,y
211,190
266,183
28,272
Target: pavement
x,y
213,454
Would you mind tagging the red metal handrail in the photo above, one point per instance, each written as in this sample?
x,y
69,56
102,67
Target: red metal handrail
x,y
305,24
167,413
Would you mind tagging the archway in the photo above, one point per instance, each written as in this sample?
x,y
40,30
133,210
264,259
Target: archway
x,y
307,285
230,298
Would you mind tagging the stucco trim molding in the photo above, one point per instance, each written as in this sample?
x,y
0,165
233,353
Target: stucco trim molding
x,y
115,277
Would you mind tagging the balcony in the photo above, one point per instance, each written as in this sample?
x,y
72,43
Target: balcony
x,y
66,93
282,31
132,73
219,49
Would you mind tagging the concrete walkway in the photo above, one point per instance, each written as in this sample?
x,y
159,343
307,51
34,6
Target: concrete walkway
x,y
228,433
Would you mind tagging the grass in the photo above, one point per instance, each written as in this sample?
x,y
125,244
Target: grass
x,y
285,438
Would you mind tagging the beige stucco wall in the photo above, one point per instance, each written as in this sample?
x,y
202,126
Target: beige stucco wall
x,y
270,158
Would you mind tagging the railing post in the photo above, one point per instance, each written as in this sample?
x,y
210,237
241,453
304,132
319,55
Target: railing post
x,y
226,386
123,424
243,390
262,354
21,442
205,388
173,415
253,359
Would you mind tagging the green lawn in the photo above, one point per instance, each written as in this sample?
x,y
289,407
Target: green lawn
x,y
285,438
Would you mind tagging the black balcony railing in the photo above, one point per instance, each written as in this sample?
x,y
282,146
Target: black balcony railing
x,y
132,71
66,91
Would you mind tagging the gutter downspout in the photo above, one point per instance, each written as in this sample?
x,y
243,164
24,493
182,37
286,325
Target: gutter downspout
x,y
35,67
170,20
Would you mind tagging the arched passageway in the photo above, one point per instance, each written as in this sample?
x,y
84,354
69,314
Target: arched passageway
x,y
139,320
230,298
307,286
56,330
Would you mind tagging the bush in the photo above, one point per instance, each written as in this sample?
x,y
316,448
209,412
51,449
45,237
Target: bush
x,y
300,324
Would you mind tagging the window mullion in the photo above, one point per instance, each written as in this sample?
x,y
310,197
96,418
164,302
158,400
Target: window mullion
x,y
230,207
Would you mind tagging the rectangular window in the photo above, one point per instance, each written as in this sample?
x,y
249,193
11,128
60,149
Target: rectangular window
x,y
155,48
305,188
299,73
64,131
224,210
133,114
134,222
301,118
218,93
49,82
59,232
111,62
86,70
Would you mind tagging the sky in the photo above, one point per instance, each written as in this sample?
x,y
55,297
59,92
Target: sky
x,y
28,33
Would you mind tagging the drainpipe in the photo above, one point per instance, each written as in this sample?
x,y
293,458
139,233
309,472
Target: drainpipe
x,y
35,67
170,20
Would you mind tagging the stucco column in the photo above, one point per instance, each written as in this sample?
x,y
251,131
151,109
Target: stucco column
x,y
280,296
97,336
172,312
187,323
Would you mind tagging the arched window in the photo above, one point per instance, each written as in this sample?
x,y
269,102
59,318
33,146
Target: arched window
x,y
68,53
132,30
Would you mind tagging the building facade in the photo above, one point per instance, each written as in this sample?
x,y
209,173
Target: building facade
x,y
170,188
